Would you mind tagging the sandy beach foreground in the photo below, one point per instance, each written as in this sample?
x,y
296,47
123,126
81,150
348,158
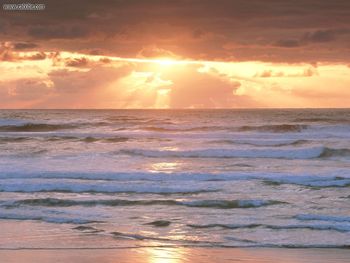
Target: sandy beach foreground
x,y
177,255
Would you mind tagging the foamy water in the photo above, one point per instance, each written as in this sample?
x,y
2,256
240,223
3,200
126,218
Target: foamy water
x,y
190,178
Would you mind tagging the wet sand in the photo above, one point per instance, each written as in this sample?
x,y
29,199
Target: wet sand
x,y
176,255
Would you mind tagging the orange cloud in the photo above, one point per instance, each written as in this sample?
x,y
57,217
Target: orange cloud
x,y
72,80
156,52
8,53
194,89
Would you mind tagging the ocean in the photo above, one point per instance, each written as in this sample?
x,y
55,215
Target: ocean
x,y
211,178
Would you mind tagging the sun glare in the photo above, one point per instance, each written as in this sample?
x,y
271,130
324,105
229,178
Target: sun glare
x,y
167,61
165,255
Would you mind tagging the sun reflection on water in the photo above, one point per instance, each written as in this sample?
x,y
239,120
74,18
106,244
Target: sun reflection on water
x,y
166,167
165,255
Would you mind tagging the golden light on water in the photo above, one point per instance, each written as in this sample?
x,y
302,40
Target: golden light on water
x,y
164,167
165,255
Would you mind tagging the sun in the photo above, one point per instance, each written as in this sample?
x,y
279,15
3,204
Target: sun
x,y
167,61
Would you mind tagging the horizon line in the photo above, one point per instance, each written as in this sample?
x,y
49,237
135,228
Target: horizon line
x,y
170,109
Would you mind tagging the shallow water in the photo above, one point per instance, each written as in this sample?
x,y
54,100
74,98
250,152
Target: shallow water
x,y
176,177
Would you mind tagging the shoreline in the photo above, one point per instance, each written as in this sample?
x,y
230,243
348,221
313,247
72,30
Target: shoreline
x,y
176,255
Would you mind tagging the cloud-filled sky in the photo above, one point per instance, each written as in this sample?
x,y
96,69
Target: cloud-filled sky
x,y
176,54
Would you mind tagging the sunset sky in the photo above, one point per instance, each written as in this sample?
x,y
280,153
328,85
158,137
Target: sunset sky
x,y
176,54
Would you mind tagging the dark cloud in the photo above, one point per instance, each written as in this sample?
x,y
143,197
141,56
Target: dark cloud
x,y
105,60
315,37
8,53
154,51
307,72
270,73
24,45
198,29
198,33
36,56
2,27
287,43
266,74
322,36
77,62
57,32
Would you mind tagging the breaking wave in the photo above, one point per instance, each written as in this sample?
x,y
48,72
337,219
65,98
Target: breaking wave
x,y
91,187
48,219
285,153
327,218
36,127
311,152
229,204
177,129
278,128
219,204
262,142
324,120
333,227
13,139
330,152
337,179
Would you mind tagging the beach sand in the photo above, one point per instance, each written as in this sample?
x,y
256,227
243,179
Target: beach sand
x,y
176,255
